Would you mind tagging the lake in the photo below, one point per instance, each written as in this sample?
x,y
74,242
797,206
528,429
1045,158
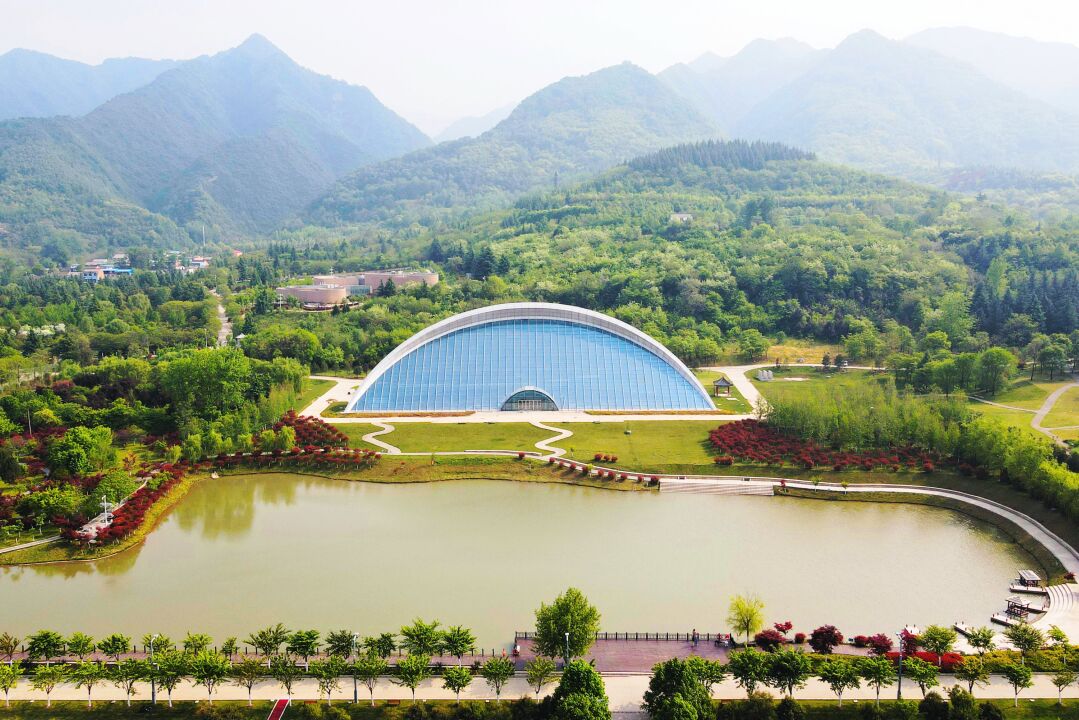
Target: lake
x,y
242,552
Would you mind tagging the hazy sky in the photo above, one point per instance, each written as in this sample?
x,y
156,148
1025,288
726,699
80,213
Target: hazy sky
x,y
436,60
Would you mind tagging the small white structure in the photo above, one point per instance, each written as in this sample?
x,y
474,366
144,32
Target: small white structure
x,y
680,217
765,375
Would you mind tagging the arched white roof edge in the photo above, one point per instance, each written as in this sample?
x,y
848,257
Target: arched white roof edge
x,y
528,311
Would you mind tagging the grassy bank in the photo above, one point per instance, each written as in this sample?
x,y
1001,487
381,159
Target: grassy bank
x,y
62,552
449,437
433,468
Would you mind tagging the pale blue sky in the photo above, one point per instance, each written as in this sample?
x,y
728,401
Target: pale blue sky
x,y
436,60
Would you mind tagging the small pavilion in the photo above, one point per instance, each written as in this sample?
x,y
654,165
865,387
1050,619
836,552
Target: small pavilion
x,y
722,383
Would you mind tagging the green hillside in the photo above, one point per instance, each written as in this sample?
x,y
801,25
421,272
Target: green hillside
x,y
567,131
239,141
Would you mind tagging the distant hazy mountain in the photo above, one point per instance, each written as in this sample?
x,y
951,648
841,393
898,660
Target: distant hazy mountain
x,y
1045,70
573,128
726,89
891,106
34,84
241,140
474,125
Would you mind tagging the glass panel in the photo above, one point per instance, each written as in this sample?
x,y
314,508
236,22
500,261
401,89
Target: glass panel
x,y
573,366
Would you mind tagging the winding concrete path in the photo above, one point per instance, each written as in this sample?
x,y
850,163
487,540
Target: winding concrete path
x,y
372,437
1046,408
545,444
340,391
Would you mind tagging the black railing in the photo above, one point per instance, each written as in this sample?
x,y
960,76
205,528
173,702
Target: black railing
x,y
679,636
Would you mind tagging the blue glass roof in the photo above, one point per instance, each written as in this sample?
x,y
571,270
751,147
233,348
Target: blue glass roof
x,y
578,366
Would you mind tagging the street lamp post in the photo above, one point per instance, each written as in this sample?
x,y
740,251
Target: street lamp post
x,y
899,685
355,685
566,660
153,673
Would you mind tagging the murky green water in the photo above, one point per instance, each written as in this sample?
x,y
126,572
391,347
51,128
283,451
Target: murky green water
x,y
240,553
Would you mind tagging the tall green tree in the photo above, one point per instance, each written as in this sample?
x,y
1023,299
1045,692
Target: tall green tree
x,y
327,674
1026,639
878,672
268,641
567,627
788,670
44,645
540,671
840,676
497,672
285,670
973,671
458,641
745,615
580,694
87,674
46,678
421,638
368,668
924,675
1019,677
10,674
938,639
455,679
170,668
115,645
80,645
749,668
208,669
246,674
411,671
675,692
1061,679
127,674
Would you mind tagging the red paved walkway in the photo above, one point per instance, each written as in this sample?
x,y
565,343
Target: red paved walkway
x,y
278,710
637,655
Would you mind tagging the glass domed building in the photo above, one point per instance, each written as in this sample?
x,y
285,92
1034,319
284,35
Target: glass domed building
x,y
529,356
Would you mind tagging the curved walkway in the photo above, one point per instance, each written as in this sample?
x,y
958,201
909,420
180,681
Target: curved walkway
x,y
340,391
1046,408
384,428
545,445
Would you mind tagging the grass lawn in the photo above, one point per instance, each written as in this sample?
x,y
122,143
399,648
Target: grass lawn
x,y
815,381
355,433
1013,418
1026,394
650,446
1065,412
449,437
734,402
311,390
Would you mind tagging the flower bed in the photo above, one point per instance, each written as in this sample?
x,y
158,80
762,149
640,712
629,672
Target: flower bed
x,y
755,442
312,431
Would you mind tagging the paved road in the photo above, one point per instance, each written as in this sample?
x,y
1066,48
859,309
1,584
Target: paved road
x,y
225,332
624,691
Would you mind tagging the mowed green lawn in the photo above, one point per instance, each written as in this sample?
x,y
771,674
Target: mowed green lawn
x,y
455,437
648,446
312,389
1065,412
1026,394
811,381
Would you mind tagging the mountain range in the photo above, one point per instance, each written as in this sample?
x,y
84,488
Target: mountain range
x,y
240,140
34,84
573,128
246,141
881,104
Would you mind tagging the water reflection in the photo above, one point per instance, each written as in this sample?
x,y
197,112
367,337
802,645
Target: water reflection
x,y
243,552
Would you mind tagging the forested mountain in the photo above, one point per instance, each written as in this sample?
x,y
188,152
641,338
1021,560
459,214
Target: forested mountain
x,y
725,89
698,243
1047,71
884,105
238,141
34,84
891,106
575,127
474,125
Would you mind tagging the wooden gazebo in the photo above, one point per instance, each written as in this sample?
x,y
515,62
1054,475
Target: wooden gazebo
x,y
722,383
